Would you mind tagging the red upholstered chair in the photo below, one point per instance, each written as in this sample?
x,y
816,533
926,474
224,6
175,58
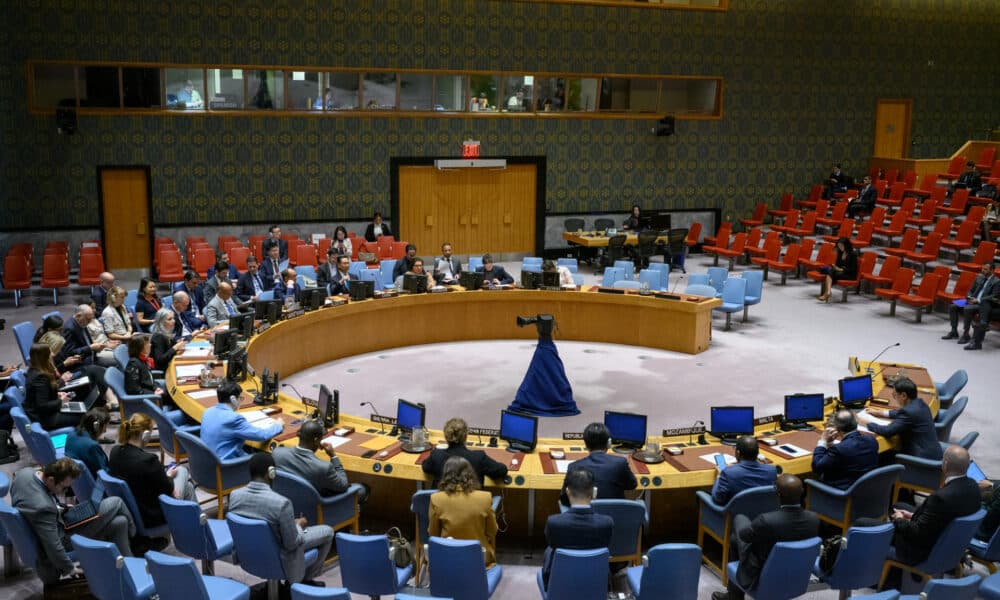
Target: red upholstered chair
x,y
398,250
721,237
91,267
734,251
753,241
864,237
322,248
16,275
942,226
170,269
694,233
815,194
923,298
961,289
256,245
866,264
927,253
909,177
760,250
954,170
927,183
984,254
900,287
227,241
891,175
305,255
826,256
986,158
772,249
894,228
925,215
790,222
994,173
959,200
808,227
55,273
837,216
962,239
895,197
204,258
906,245
757,219
788,263
846,230
886,274
784,206
238,255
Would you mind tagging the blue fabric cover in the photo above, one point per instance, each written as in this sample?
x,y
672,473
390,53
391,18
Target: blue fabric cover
x,y
545,391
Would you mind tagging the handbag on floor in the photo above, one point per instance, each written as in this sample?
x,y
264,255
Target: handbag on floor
x,y
400,549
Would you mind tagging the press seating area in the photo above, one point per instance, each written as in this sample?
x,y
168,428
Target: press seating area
x,y
19,268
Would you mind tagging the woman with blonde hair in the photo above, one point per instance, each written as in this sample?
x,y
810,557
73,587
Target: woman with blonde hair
x,y
117,321
143,472
461,510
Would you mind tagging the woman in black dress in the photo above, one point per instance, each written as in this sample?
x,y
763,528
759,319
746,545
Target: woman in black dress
x,y
846,267
147,304
43,400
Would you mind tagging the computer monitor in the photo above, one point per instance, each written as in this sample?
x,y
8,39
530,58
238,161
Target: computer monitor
x,y
328,406
267,310
225,342
361,290
802,408
550,279
269,383
520,431
409,415
855,392
236,367
628,430
414,284
470,280
313,298
530,279
660,221
730,422
242,324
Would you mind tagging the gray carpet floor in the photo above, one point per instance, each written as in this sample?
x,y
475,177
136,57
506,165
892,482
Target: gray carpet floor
x,y
791,343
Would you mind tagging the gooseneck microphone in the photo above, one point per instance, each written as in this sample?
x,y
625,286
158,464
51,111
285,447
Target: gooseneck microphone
x,y
375,410
288,385
870,370
677,282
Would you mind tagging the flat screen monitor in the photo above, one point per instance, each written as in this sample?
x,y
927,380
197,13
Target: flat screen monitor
x,y
361,290
242,323
328,406
409,415
470,280
414,284
855,392
550,279
530,279
313,298
628,430
730,422
225,342
802,408
520,431
236,367
660,221
267,310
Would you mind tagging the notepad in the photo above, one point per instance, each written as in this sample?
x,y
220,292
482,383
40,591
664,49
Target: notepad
x,y
562,466
202,394
336,440
199,352
185,371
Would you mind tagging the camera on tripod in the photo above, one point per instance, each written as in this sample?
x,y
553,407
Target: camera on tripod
x,y
544,323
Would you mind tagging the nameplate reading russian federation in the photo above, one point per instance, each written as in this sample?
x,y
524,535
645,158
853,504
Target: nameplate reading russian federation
x,y
484,432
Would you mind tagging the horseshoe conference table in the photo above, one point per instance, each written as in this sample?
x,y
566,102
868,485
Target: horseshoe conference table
x,y
373,325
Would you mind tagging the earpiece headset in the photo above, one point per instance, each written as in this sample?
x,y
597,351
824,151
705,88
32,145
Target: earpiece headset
x,y
95,424
146,435
271,473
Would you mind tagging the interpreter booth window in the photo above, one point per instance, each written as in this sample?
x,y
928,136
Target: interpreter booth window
x,y
449,92
416,91
141,87
343,91
631,95
570,94
185,88
54,86
518,93
305,90
99,87
379,91
483,93
226,89
265,89
689,96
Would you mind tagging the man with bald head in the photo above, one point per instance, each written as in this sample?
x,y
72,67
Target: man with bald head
x,y
100,292
221,307
841,464
754,540
185,321
917,531
328,478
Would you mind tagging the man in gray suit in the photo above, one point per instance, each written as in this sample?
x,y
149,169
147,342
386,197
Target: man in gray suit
x,y
221,307
38,495
328,478
258,501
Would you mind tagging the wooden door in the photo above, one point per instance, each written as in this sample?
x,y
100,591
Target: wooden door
x,y
125,201
892,128
476,210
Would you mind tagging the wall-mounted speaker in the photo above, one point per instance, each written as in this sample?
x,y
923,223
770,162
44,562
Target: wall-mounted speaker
x,y
66,121
664,126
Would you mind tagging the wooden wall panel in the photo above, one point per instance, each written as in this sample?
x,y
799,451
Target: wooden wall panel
x,y
477,210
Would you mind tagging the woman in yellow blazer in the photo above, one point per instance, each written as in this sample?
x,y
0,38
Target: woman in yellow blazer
x,y
461,510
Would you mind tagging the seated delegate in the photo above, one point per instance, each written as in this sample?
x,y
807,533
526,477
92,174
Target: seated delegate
x,y
455,433
494,274
462,511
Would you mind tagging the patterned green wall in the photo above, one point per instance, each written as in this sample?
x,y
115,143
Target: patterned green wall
x,y
801,76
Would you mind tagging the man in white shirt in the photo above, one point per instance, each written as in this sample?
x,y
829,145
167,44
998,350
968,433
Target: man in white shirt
x,y
446,267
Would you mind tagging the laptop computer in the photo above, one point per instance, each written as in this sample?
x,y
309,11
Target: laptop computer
x,y
975,473
73,407
86,510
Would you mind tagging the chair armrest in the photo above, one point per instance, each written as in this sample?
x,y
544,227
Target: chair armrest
x,y
706,499
61,431
916,461
352,490
235,471
823,488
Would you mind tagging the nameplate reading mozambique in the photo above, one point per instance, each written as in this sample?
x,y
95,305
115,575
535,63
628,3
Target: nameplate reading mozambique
x,y
684,431
484,432
572,435
383,420
766,419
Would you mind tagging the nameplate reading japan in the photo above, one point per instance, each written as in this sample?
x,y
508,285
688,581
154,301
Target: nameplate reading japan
x,y
683,431
383,420
483,431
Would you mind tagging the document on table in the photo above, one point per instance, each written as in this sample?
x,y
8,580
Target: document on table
x,y
710,458
200,352
336,440
202,394
184,371
873,419
562,466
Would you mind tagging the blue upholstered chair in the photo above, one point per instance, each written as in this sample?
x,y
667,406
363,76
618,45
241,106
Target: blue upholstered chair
x,y
717,277
337,511
531,260
611,275
194,534
627,266
667,571
965,588
111,576
420,597
947,551
373,275
786,571
716,521
626,538
990,588
130,404
18,379
457,570
386,267
258,551
578,279
24,333
576,575
356,267
176,578
301,591
651,278
869,496
118,487
167,426
859,562
733,294
986,553
698,279
946,418
949,389
265,295
698,289
212,473
754,291
41,446
83,486
664,270
21,535
626,284
475,262
9,561
365,567
569,263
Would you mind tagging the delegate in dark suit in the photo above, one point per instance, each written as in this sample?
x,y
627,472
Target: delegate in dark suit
x,y
283,292
579,528
144,474
741,476
755,539
234,273
186,320
265,246
986,285
915,427
78,342
865,202
840,465
329,478
498,273
481,463
268,272
324,274
612,475
245,288
197,295
915,537
339,286
370,231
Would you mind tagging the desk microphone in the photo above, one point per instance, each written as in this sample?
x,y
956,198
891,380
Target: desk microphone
x,y
701,436
870,370
302,398
673,289
375,410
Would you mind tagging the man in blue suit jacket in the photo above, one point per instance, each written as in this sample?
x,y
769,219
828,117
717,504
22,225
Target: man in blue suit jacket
x,y
270,269
912,422
224,430
193,287
612,475
842,464
745,474
579,528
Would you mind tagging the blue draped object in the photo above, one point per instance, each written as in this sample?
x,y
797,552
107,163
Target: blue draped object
x,y
545,390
